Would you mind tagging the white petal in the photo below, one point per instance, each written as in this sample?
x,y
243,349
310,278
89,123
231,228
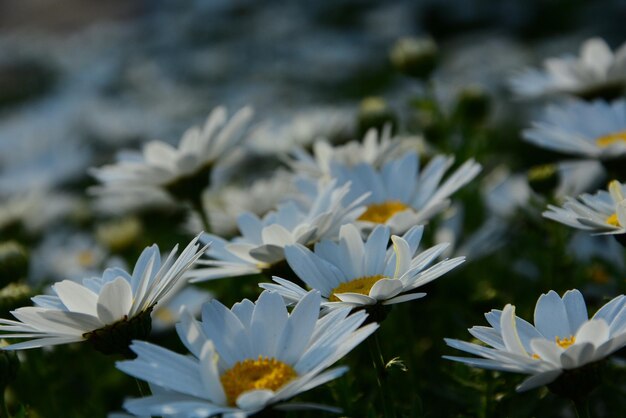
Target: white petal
x,y
385,289
539,380
551,317
254,400
509,331
114,301
75,297
595,331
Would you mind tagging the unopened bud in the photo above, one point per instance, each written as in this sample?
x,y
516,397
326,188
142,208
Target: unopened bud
x,y
13,262
472,105
374,112
543,179
415,57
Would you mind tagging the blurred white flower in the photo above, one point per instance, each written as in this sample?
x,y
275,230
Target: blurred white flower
x,y
162,169
263,241
597,72
603,212
589,129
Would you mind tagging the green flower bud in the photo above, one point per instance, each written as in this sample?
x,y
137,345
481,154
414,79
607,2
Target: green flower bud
x,y
374,112
13,296
543,179
415,57
13,262
472,105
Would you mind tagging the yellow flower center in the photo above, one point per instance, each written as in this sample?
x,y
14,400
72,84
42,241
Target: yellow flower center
x,y
610,139
262,373
85,258
362,285
536,356
612,220
565,342
381,212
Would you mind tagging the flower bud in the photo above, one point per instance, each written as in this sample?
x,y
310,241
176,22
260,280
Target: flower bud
x,y
472,105
13,262
415,57
374,112
543,179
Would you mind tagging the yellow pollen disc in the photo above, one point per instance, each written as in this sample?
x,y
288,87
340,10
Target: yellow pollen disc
x,y
612,220
380,212
361,285
610,139
565,342
262,373
536,357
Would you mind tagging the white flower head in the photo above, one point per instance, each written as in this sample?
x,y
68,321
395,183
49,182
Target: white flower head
x,y
263,240
563,338
589,129
160,167
355,273
401,195
225,204
375,149
598,71
244,359
77,310
603,212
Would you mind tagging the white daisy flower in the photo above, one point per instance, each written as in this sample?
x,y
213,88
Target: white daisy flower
x,y
301,130
375,149
590,129
562,339
598,72
37,209
179,171
402,195
245,359
261,246
87,311
357,273
603,212
224,205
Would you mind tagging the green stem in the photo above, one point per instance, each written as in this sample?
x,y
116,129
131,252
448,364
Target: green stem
x,y
381,374
581,408
4,411
196,203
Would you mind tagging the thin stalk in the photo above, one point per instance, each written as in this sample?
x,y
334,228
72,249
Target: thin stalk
x,y
196,203
581,408
4,411
381,374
